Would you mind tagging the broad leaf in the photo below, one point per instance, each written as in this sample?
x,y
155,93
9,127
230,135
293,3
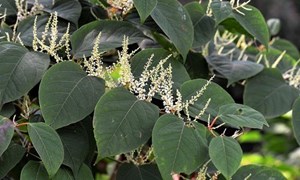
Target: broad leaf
x,y
73,137
8,110
239,115
144,8
69,10
233,70
6,133
20,70
178,148
176,23
48,145
8,7
255,172
251,20
122,122
112,34
196,66
226,154
34,170
285,45
204,26
296,120
285,63
179,73
67,95
10,158
25,28
63,174
85,173
269,94
144,172
217,94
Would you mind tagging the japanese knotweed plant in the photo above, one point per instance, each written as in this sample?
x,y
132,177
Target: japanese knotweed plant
x,y
88,87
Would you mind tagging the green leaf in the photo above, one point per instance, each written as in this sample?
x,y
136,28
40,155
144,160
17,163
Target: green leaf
x,y
204,26
25,28
10,158
67,95
34,170
48,145
72,137
296,119
85,173
269,94
69,10
217,94
6,133
179,73
176,23
239,115
8,110
226,154
112,34
233,70
20,70
255,172
122,122
274,25
8,7
251,20
196,66
254,22
285,45
178,148
286,62
63,174
144,172
144,8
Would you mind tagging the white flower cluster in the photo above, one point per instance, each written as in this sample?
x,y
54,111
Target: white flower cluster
x,y
50,42
292,76
235,5
23,12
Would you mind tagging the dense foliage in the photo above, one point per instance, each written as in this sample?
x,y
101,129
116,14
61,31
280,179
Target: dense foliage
x,y
140,89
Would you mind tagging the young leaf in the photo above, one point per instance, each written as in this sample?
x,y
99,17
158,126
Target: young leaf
x,y
122,122
217,94
144,172
48,145
73,137
144,8
6,133
269,94
255,172
226,154
176,23
240,115
296,119
178,148
20,70
34,170
112,34
67,94
10,158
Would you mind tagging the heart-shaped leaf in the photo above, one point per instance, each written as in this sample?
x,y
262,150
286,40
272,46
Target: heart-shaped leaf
x,y
34,170
48,145
122,122
226,154
67,95
178,148
255,172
